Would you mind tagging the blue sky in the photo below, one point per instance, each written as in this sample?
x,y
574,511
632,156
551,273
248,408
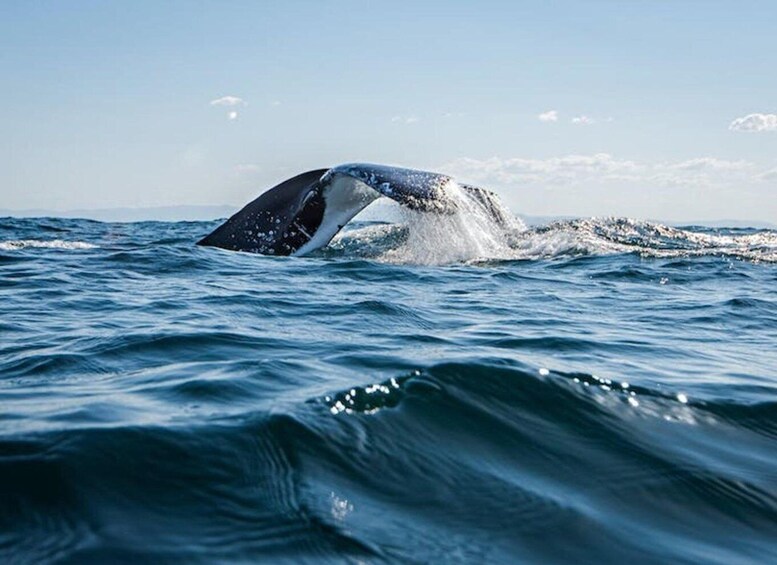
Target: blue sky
x,y
645,109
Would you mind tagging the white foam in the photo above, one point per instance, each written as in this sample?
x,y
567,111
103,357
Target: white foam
x,y
16,244
606,236
468,234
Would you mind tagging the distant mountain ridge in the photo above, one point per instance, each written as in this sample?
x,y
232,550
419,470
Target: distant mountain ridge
x,y
160,213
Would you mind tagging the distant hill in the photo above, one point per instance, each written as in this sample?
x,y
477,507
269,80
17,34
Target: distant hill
x,y
161,213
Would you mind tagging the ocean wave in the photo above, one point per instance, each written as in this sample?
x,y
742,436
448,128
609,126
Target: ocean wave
x,y
563,396
647,239
17,244
483,457
442,242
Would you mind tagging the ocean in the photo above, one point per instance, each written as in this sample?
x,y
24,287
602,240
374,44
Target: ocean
x,y
585,391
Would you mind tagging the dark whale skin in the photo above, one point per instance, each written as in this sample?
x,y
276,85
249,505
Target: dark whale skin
x,y
278,222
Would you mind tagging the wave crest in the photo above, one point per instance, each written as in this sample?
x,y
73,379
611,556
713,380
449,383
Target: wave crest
x,y
17,244
467,237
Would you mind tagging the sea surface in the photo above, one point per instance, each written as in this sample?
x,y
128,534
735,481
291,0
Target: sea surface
x,y
586,391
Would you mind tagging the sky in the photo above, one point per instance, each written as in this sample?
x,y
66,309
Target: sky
x,y
647,109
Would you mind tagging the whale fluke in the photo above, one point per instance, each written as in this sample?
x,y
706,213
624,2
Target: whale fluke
x,y
278,222
304,213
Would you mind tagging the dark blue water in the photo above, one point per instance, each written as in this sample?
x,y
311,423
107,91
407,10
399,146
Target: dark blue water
x,y
604,392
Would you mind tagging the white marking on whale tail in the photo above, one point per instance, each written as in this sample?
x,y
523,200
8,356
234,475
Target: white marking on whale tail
x,y
345,197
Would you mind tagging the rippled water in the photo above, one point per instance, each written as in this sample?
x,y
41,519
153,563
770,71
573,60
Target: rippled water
x,y
585,391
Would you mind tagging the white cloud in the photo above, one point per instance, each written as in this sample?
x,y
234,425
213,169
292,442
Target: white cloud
x,y
769,176
709,163
603,184
228,101
554,171
755,123
603,169
549,116
582,120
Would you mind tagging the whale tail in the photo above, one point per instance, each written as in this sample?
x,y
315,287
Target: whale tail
x,y
278,222
305,212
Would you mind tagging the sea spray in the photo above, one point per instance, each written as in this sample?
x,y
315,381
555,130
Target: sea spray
x,y
468,237
473,229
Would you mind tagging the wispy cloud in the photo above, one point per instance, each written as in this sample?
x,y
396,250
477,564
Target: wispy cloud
x,y
602,183
228,101
583,120
555,170
549,116
769,176
710,163
603,168
755,123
